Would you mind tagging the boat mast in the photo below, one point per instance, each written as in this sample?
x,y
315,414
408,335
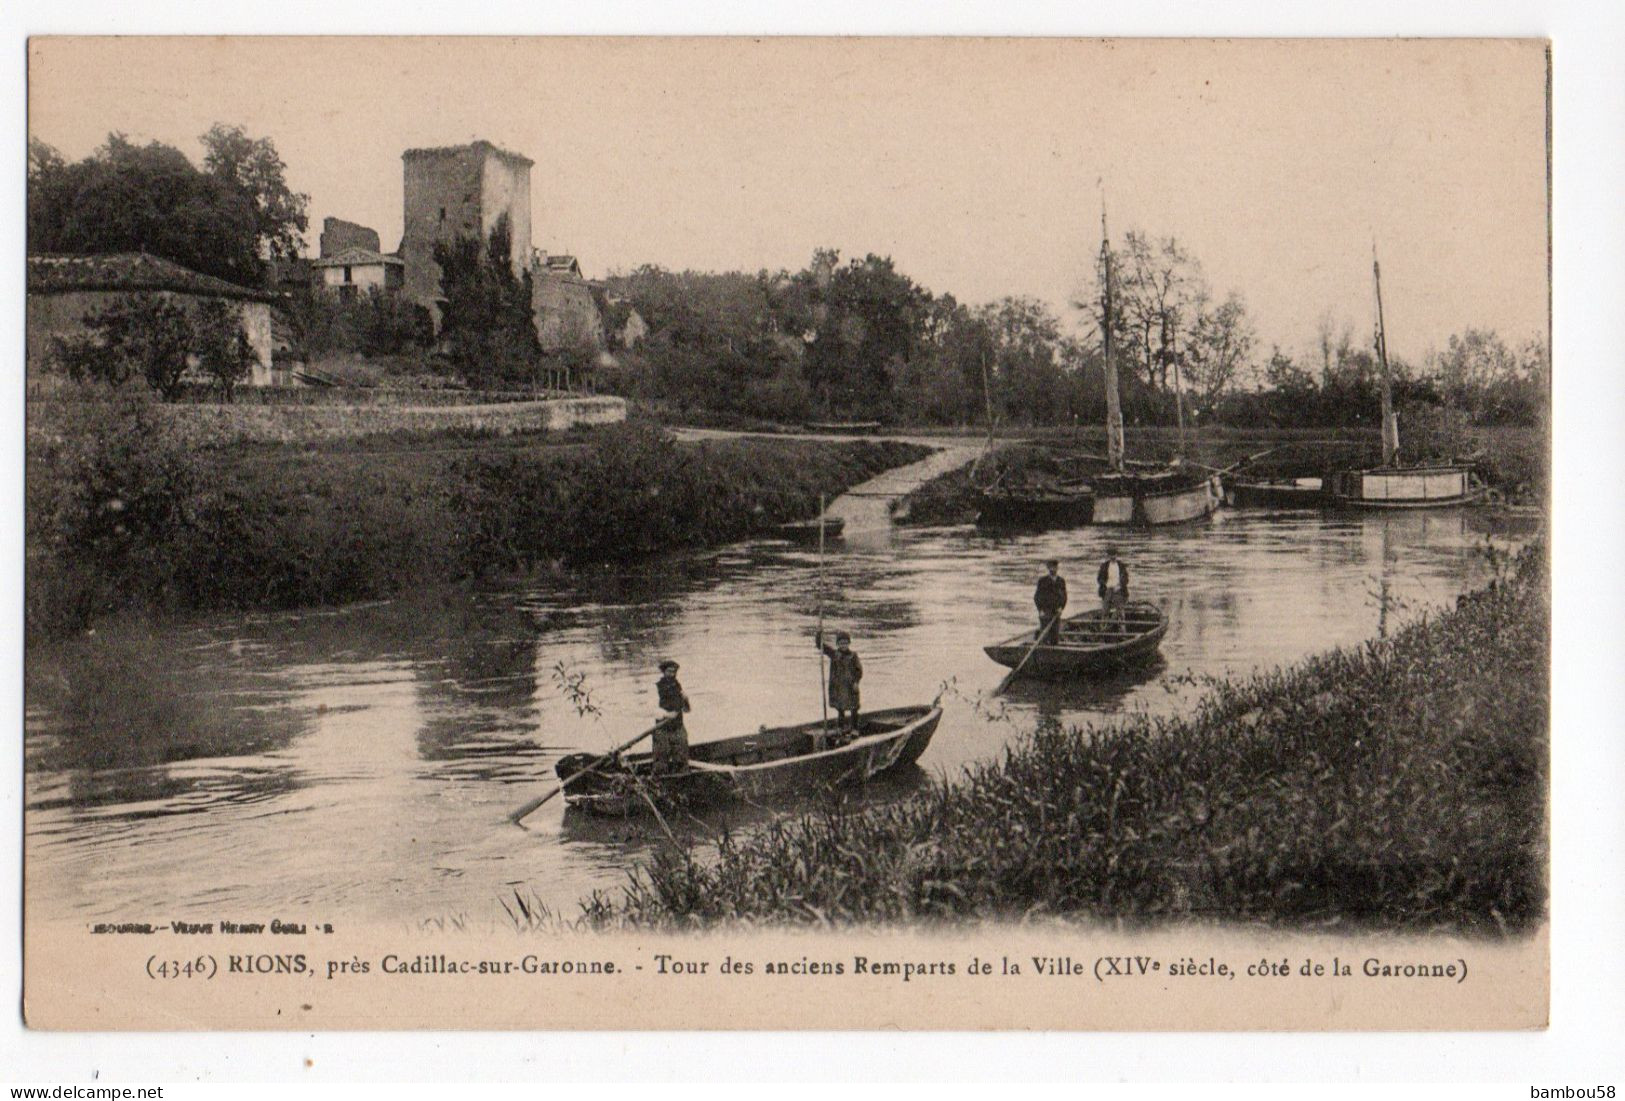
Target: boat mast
x,y
1114,407
1179,389
1390,422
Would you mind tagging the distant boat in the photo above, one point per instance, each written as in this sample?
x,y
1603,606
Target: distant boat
x,y
1392,485
1128,494
1278,493
783,761
1088,643
849,428
1172,494
807,531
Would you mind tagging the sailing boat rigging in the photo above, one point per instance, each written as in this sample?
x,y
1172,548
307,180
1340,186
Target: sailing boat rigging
x,y
1392,485
1144,497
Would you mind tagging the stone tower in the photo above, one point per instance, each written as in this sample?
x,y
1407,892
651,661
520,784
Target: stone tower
x,y
461,191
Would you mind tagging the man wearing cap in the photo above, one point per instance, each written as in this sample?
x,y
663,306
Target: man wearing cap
x,y
1112,581
845,671
1050,598
671,738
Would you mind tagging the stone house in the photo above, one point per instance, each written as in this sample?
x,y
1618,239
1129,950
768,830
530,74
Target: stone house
x,y
64,290
355,271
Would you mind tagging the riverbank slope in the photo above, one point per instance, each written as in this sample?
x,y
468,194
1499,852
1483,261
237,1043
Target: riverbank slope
x,y
1397,785
123,512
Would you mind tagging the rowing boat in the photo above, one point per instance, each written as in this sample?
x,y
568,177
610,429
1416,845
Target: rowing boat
x,y
1088,643
770,763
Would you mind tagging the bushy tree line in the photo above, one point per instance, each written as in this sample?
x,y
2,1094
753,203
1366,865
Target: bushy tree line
x,y
1477,379
862,339
374,323
226,219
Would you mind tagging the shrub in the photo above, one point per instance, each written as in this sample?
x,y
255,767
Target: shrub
x,y
223,351
110,498
137,335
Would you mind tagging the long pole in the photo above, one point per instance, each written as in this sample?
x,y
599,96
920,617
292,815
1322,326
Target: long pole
x,y
1114,407
823,688
1179,393
1031,650
1390,423
987,397
519,815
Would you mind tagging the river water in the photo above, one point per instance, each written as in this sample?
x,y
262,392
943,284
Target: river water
x,y
361,761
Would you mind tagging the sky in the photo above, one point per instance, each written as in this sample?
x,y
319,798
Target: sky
x,y
978,165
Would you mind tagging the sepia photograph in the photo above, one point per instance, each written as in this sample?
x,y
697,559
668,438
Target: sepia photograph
x,y
787,533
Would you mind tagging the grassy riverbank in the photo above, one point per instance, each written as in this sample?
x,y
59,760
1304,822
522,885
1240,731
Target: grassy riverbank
x,y
1398,785
1513,460
125,513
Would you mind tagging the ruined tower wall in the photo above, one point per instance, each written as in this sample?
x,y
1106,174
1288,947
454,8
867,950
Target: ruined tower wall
x,y
338,235
442,202
505,189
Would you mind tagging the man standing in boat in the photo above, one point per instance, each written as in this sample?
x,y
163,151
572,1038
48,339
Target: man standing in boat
x,y
671,737
1112,580
845,671
1050,599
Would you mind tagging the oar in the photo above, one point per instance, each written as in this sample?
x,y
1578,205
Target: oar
x,y
1031,650
523,812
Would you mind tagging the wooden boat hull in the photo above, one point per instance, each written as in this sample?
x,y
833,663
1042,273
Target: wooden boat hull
x,y
1133,500
792,760
806,531
1035,510
1407,488
1090,643
1280,495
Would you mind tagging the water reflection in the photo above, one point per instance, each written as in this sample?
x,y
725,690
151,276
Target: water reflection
x,y
1105,693
366,757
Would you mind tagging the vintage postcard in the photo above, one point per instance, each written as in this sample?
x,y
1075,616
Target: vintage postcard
x,y
698,533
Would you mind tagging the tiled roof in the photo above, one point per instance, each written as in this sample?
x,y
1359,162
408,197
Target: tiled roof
x,y
356,257
128,271
482,146
561,264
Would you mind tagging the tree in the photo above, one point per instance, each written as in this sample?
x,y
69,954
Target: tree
x,y
486,323
1159,291
144,335
220,344
1025,337
1220,346
870,326
252,169
224,220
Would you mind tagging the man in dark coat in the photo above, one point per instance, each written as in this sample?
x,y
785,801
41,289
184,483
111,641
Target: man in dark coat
x,y
845,671
1112,580
1050,599
671,737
